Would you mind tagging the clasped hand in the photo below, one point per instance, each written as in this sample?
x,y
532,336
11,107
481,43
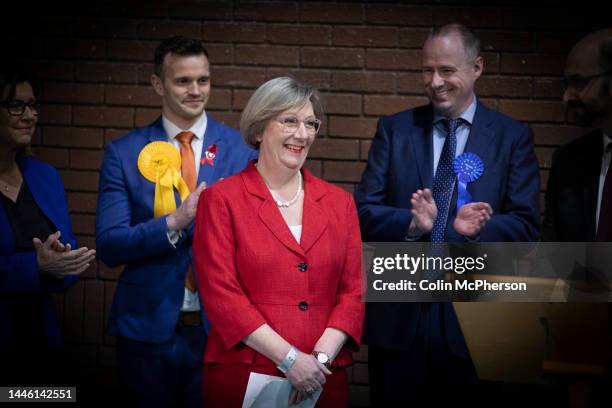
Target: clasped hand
x,y
306,376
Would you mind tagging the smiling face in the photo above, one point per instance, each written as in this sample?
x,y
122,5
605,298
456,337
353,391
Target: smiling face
x,y
184,88
16,131
282,148
448,74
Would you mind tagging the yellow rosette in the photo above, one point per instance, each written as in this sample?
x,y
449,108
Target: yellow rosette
x,y
159,162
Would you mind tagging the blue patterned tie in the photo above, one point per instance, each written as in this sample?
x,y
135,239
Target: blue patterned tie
x,y
444,181
443,185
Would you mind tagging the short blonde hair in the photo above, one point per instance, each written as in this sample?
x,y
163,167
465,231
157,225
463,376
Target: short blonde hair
x,y
272,98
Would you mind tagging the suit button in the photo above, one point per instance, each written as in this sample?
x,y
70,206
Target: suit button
x,y
302,267
303,306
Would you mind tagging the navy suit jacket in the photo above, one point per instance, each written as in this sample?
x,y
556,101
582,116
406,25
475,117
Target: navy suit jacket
x,y
401,162
573,187
150,289
20,279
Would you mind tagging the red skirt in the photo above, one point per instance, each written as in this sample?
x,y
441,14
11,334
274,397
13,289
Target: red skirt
x,y
224,385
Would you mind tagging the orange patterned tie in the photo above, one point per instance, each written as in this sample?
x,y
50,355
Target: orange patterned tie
x,y
188,173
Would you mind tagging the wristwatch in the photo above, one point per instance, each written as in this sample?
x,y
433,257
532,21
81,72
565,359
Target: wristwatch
x,y
322,358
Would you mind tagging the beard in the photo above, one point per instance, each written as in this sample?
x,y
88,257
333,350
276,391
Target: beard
x,y
593,112
590,114
581,115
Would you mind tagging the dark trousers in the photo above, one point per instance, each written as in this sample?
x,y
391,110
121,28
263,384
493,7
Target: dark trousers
x,y
427,373
168,374
37,366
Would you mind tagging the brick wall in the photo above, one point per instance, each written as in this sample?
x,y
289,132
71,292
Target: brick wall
x,y
96,61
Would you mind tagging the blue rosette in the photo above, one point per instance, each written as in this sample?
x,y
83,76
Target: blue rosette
x,y
468,167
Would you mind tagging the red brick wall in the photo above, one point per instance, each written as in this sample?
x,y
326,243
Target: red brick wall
x,y
364,57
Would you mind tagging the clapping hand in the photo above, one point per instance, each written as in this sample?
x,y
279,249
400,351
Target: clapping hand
x,y
472,218
59,260
186,212
424,210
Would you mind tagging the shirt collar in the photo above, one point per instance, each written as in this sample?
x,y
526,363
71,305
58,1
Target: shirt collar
x,y
467,115
198,128
606,143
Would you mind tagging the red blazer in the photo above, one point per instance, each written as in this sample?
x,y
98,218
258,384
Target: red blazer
x,y
252,271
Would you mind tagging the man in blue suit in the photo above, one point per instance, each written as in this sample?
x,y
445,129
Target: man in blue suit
x,y
408,192
156,314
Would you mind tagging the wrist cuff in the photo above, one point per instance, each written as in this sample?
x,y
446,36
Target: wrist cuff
x,y
288,361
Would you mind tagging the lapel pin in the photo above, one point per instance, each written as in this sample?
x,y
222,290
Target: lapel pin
x,y
209,156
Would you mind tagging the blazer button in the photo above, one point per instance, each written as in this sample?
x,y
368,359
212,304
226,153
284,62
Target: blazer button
x,y
303,306
302,267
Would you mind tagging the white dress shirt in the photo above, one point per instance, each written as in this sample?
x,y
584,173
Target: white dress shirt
x,y
462,133
191,302
197,143
605,164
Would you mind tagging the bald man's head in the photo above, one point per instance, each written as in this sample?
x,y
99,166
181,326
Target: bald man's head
x,y
596,47
588,73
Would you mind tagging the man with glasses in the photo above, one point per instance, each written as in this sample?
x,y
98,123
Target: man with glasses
x,y
145,221
579,193
409,192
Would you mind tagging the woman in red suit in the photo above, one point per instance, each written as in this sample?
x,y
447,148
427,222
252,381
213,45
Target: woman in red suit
x,y
278,257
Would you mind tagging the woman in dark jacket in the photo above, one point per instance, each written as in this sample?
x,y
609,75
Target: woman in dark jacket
x,y
36,244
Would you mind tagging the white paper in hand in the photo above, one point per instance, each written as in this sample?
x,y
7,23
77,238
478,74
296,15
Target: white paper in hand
x,y
268,391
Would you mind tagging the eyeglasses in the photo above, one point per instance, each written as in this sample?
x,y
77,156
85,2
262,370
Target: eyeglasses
x,y
17,107
579,82
291,124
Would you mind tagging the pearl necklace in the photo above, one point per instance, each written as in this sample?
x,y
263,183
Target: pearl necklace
x,y
279,202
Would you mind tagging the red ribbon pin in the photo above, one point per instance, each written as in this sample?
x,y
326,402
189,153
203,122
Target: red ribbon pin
x,y
209,156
